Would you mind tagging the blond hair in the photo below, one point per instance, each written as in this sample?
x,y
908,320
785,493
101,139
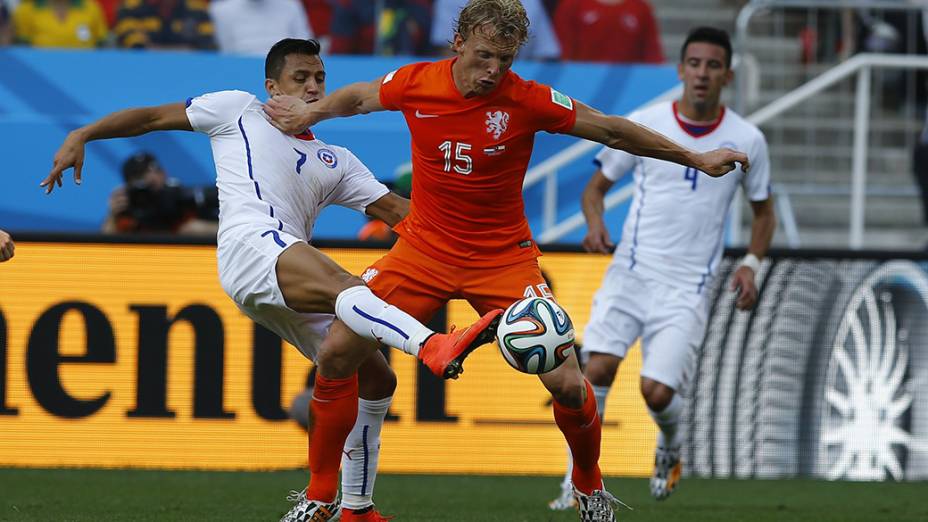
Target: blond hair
x,y
499,20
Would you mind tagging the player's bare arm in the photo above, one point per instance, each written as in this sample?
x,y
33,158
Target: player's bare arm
x,y
391,208
621,133
122,124
762,229
597,235
7,248
292,115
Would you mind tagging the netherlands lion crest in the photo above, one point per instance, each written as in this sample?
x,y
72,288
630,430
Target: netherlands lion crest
x,y
369,274
497,123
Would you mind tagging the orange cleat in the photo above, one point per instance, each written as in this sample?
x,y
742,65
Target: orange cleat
x,y
444,354
370,515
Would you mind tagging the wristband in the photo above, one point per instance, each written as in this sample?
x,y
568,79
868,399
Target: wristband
x,y
751,261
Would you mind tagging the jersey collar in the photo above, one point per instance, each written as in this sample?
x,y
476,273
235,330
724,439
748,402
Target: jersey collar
x,y
697,131
306,135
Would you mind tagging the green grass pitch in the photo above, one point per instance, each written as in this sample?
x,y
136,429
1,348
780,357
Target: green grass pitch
x,y
166,496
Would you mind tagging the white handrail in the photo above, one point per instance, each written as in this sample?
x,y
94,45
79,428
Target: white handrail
x,y
861,65
833,76
547,170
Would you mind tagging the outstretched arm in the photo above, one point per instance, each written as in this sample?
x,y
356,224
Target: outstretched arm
x,y
122,124
621,133
292,115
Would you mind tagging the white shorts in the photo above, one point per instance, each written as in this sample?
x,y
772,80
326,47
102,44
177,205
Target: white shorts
x,y
248,273
670,321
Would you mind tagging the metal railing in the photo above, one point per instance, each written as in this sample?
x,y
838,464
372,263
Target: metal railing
x,y
861,65
547,172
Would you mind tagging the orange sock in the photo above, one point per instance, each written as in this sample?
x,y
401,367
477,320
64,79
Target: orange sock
x,y
583,431
332,413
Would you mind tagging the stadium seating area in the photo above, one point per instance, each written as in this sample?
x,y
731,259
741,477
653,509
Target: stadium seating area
x,y
811,146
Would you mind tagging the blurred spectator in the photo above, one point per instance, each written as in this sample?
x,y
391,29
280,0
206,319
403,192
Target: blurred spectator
x,y
237,32
165,24
353,30
320,21
110,10
617,31
388,27
542,41
151,202
6,26
7,248
75,24
403,28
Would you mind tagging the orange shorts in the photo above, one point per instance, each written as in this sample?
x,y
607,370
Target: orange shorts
x,y
419,285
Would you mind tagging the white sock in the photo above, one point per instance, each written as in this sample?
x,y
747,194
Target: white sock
x,y
369,316
600,392
362,451
668,421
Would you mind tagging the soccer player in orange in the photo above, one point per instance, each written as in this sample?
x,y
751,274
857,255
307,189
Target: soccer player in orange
x,y
473,123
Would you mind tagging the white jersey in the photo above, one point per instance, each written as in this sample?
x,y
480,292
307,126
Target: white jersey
x,y
269,180
675,226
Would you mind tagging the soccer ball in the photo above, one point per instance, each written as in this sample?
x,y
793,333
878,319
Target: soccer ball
x,y
535,335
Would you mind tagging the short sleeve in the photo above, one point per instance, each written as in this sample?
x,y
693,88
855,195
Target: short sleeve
x,y
358,188
215,112
393,86
614,163
553,111
757,181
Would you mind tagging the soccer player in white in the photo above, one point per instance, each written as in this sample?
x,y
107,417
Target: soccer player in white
x,y
672,242
271,189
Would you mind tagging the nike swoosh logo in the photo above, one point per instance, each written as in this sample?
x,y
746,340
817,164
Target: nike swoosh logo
x,y
420,115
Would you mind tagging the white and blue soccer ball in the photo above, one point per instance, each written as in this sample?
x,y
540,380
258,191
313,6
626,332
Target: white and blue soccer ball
x,y
535,335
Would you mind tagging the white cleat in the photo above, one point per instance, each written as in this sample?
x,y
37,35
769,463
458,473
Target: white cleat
x,y
307,510
598,506
565,501
667,471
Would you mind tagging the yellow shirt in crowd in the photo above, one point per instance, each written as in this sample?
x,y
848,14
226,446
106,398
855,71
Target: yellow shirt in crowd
x,y
36,23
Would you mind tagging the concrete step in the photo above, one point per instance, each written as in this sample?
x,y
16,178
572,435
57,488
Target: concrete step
x,y
834,211
874,238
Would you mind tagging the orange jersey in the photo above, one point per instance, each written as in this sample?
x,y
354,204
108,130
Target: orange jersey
x,y
469,157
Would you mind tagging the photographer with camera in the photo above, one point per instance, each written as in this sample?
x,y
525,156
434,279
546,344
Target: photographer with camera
x,y
151,202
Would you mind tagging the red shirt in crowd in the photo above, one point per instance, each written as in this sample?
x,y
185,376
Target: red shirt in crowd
x,y
617,31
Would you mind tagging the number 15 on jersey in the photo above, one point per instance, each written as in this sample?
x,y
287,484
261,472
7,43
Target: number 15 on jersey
x,y
462,163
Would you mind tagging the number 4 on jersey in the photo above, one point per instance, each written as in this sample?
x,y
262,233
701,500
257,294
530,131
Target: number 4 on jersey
x,y
691,174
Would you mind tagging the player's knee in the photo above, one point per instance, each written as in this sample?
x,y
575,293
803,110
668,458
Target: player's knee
x,y
600,369
376,381
657,395
569,394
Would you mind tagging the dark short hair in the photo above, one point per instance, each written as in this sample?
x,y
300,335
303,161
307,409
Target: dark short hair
x,y
274,63
137,165
708,35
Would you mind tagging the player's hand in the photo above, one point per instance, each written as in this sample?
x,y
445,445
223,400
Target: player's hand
x,y
288,113
71,154
597,239
742,282
719,162
7,248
